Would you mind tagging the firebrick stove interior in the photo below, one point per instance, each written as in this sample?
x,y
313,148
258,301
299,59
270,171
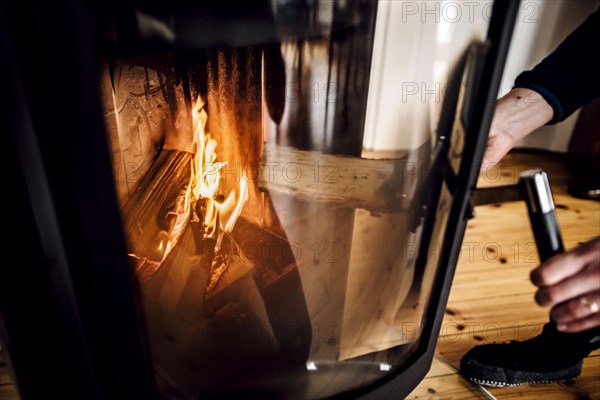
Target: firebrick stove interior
x,y
269,257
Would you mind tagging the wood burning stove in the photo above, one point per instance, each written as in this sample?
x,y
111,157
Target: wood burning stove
x,y
205,226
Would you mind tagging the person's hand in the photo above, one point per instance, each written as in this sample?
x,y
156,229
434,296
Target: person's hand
x,y
569,283
517,114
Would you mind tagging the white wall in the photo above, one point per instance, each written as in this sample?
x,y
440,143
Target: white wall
x,y
417,41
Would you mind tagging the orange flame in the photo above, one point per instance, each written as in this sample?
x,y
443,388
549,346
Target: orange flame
x,y
204,182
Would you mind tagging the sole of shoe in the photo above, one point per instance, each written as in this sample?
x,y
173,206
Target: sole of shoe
x,y
506,384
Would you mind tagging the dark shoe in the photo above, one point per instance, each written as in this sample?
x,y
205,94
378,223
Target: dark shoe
x,y
585,177
549,357
584,191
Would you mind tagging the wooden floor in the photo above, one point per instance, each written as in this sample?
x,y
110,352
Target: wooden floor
x,y
7,389
492,298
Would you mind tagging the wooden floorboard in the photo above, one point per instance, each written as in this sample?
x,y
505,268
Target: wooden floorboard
x,y
445,387
441,367
491,299
8,391
5,378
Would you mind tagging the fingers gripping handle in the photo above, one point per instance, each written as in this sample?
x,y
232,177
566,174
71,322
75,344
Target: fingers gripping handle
x,y
536,191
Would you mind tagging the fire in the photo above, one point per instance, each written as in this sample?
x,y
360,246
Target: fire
x,y
203,185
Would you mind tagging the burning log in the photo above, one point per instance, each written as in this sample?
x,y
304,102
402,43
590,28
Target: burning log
x,y
188,234
147,214
219,264
372,184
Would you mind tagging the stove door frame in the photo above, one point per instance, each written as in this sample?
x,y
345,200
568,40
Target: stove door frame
x,y
485,63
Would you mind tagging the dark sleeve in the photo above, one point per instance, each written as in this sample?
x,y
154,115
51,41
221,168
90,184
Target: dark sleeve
x,y
570,76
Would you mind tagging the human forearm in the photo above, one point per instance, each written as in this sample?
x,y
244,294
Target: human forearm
x,y
521,111
568,77
517,114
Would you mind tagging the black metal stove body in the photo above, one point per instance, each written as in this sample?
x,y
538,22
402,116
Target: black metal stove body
x,y
72,297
